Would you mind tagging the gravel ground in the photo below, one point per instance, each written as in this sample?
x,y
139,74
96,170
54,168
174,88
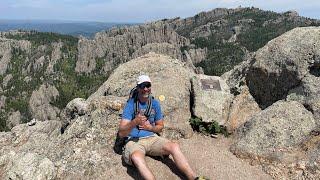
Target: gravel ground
x,y
211,157
208,156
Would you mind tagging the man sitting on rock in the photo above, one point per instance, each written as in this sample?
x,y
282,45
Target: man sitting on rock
x,y
142,133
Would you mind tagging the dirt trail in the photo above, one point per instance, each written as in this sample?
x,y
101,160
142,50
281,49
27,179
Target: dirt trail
x,y
208,156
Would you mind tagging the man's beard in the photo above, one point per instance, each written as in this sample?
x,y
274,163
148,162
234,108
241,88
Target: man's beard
x,y
145,95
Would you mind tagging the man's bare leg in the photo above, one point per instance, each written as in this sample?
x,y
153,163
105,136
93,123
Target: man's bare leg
x,y
180,160
138,158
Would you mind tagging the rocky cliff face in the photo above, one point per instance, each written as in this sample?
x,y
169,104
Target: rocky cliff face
x,y
40,103
119,45
202,21
6,46
28,60
55,56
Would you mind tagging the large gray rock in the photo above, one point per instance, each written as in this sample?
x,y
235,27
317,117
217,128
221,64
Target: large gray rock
x,y
211,97
308,93
281,65
242,109
29,159
40,106
169,78
77,107
274,131
236,78
284,139
30,166
286,68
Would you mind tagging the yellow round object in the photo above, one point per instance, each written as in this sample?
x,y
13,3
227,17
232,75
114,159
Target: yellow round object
x,y
162,97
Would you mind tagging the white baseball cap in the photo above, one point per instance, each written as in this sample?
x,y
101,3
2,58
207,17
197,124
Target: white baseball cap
x,y
143,78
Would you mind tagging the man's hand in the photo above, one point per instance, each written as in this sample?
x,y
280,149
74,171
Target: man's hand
x,y
140,119
149,127
146,126
126,126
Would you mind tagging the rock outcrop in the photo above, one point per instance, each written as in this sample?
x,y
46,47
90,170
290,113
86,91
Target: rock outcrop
x,y
169,78
55,56
274,136
13,119
6,46
39,63
119,45
242,109
76,107
201,18
211,98
283,125
283,79
308,94
282,64
40,106
83,151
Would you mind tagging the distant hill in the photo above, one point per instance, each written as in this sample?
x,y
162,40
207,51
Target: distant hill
x,y
74,28
230,34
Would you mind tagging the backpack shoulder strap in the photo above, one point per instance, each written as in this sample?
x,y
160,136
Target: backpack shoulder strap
x,y
133,93
136,105
149,106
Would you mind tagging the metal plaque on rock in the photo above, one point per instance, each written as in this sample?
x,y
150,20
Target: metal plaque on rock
x,y
210,84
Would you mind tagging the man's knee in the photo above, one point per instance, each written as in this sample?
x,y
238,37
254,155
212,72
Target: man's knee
x,y
172,147
137,156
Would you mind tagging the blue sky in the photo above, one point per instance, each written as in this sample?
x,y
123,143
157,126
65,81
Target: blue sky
x,y
139,10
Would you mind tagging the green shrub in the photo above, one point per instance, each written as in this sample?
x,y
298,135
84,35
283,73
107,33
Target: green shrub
x,y
100,62
221,59
208,127
3,121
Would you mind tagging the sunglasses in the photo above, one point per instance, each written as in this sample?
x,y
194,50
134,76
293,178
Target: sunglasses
x,y
143,85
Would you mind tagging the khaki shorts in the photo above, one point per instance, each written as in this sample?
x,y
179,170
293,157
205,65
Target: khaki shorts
x,y
152,146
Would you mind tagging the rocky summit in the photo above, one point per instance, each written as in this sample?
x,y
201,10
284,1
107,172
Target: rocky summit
x,y
211,43
62,98
81,145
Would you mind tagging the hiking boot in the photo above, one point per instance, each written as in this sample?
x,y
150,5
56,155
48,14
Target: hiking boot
x,y
201,178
